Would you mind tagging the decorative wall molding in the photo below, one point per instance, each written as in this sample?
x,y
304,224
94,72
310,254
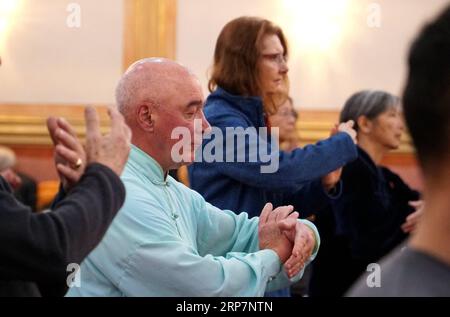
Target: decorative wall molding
x,y
26,124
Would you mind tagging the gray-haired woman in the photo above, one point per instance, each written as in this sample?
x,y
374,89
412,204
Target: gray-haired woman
x,y
376,210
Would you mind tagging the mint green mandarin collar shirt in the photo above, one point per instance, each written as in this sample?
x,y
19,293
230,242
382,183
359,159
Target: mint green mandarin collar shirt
x,y
168,241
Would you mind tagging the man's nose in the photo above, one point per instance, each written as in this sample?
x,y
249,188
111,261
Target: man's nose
x,y
206,127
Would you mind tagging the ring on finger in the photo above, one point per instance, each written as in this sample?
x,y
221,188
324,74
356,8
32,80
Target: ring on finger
x,y
78,164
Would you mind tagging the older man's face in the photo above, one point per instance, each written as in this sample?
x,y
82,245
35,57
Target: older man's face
x,y
181,122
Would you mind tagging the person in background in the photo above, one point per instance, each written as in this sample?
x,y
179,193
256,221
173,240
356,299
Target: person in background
x,y
376,210
24,187
7,162
421,267
285,120
248,83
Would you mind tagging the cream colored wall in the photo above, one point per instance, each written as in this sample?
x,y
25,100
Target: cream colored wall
x,y
45,61
358,55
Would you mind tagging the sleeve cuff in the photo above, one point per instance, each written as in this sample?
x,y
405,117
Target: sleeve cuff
x,y
271,263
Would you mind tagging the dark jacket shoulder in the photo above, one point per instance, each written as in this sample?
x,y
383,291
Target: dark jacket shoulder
x,y
37,248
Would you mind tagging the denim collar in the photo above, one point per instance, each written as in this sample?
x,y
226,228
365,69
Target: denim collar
x,y
251,107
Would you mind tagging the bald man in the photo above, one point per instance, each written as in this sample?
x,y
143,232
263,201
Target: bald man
x,y
167,240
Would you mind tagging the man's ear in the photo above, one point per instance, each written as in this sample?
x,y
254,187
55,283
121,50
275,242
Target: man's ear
x,y
145,119
364,124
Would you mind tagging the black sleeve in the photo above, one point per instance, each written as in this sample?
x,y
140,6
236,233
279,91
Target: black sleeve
x,y
312,198
38,247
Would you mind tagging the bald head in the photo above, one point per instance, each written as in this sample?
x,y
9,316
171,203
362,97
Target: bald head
x,y
7,158
159,98
149,81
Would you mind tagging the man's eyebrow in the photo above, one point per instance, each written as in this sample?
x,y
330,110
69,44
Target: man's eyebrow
x,y
195,103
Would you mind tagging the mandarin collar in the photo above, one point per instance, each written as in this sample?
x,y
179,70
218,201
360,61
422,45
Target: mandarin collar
x,y
148,166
